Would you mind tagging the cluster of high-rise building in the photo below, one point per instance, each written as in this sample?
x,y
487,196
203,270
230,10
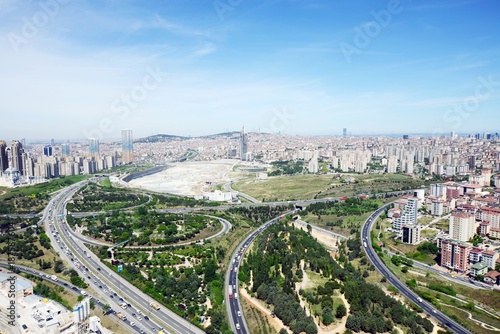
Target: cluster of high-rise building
x,y
20,166
472,211
452,156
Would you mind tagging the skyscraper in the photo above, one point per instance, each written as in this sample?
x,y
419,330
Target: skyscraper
x,y
243,144
65,149
94,147
17,156
4,159
47,151
344,132
127,146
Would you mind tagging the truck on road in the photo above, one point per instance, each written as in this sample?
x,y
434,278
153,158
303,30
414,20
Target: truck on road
x,y
230,292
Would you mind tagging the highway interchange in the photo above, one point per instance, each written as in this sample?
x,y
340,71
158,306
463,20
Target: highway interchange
x,y
104,281
112,289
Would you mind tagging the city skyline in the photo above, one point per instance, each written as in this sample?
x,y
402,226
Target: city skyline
x,y
190,70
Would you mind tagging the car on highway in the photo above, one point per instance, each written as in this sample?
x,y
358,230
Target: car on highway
x,y
239,314
237,326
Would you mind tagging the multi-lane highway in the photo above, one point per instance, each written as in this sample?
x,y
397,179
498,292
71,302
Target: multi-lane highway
x,y
70,287
391,278
107,283
236,319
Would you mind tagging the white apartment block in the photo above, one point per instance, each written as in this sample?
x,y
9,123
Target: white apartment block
x,y
489,258
437,207
462,226
409,215
438,190
392,164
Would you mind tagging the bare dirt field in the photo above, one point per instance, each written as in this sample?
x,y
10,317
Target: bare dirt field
x,y
187,178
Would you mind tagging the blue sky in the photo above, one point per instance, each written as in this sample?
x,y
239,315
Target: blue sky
x,y
303,67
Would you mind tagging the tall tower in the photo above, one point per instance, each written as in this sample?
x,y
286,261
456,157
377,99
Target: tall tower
x,y
65,149
127,146
4,159
17,155
243,144
94,147
47,151
344,132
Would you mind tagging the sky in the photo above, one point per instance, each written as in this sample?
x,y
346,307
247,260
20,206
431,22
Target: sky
x,y
74,69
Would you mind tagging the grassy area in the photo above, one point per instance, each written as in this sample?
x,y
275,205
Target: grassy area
x,y
309,186
429,234
44,188
106,183
256,322
285,187
442,224
425,220
33,198
484,298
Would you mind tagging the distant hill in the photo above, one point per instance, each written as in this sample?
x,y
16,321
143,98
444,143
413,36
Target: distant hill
x,y
164,137
222,134
159,138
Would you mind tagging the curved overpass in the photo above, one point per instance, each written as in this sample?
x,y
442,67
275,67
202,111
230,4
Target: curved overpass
x,y
105,277
226,226
391,278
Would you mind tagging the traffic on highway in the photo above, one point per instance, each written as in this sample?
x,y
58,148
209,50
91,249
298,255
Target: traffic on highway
x,y
391,278
135,307
236,319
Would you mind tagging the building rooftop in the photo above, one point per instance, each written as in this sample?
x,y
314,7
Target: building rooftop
x,y
479,266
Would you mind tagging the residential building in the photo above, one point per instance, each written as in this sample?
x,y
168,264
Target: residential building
x,y
475,255
409,215
462,226
489,258
438,190
392,164
4,159
478,269
411,234
455,255
437,207
17,156
492,277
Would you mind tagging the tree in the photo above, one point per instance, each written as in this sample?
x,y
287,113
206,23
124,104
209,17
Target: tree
x,y
283,331
341,311
309,228
327,316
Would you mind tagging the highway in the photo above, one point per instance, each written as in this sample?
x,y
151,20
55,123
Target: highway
x,y
236,318
391,278
104,280
70,287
